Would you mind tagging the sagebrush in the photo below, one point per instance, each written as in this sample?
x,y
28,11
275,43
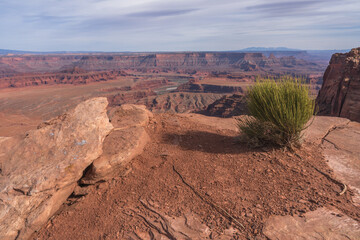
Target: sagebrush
x,y
278,111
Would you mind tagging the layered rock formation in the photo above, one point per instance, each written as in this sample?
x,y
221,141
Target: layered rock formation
x,y
37,63
69,76
128,97
187,62
178,102
192,86
227,106
340,91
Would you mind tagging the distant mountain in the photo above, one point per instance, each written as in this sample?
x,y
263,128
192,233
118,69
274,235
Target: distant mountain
x,y
7,51
318,56
268,49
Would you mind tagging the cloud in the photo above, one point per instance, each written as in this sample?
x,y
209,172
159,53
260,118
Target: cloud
x,y
280,7
162,13
151,25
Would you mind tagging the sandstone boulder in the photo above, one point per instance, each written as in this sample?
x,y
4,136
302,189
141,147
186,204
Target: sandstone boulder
x,y
39,172
126,141
340,92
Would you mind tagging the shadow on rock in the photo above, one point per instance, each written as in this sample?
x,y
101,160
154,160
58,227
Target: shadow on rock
x,y
208,142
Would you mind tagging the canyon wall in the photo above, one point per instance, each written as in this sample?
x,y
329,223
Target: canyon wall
x,y
10,65
33,70
226,107
35,63
208,88
340,91
69,76
192,61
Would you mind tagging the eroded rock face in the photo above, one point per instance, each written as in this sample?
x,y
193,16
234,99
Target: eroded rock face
x,y
179,102
73,76
126,141
208,88
153,62
41,171
227,106
340,93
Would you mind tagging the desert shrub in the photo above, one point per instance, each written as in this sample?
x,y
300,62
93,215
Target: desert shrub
x,y
278,112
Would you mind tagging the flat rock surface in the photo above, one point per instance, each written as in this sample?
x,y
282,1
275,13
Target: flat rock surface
x,y
193,170
339,139
320,224
40,171
320,126
129,115
342,151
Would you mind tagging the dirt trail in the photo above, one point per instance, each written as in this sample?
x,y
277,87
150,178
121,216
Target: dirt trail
x,y
194,181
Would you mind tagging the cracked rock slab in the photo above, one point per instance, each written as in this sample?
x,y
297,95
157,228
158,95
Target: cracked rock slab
x,y
186,226
40,171
339,138
320,224
321,126
342,151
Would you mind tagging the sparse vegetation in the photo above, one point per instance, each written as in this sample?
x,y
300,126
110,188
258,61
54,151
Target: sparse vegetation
x,y
278,112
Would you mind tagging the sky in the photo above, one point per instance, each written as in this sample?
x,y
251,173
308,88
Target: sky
x,y
178,25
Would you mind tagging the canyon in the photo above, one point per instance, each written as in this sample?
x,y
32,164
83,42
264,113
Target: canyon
x,y
191,61
144,145
119,173
33,85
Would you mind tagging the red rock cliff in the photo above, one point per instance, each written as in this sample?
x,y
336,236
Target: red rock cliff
x,y
69,76
340,91
189,61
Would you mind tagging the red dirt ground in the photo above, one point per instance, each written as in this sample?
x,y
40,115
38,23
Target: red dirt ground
x,y
249,184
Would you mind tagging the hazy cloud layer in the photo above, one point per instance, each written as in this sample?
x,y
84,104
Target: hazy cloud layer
x,y
159,25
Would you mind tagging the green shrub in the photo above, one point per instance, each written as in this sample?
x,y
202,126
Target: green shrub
x,y
278,112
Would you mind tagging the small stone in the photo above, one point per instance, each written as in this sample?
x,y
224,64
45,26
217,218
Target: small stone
x,y
101,186
79,191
